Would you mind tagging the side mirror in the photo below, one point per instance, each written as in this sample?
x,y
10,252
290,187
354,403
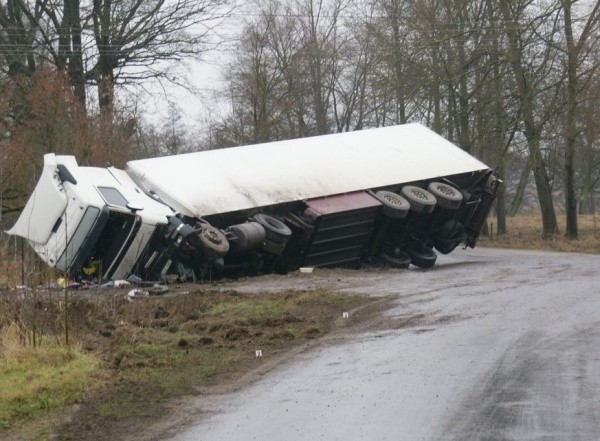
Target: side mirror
x,y
134,208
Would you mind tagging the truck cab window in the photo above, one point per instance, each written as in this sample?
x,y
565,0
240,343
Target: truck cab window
x,y
113,197
73,250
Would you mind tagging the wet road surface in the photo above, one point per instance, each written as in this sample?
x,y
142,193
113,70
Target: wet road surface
x,y
489,345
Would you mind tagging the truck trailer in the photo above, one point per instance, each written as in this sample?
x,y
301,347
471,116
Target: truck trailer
x,y
390,196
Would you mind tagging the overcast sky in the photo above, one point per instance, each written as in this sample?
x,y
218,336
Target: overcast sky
x,y
199,102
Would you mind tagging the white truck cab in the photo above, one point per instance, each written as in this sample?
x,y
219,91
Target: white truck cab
x,y
80,214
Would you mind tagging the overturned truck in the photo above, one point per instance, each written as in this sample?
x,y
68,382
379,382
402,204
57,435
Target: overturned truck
x,y
387,196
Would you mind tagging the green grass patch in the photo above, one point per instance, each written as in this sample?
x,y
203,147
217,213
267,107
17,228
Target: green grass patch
x,y
36,380
249,308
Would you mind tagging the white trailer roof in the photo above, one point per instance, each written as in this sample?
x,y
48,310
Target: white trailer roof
x,y
239,178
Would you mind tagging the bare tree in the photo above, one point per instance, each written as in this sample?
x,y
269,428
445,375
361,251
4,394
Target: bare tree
x,y
574,52
395,44
487,74
257,81
589,154
133,37
18,28
528,74
106,42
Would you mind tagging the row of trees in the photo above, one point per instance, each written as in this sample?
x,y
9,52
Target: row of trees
x,y
104,42
61,62
513,82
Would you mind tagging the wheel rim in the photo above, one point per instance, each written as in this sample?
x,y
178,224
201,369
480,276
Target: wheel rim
x,y
391,199
447,196
213,237
447,191
419,194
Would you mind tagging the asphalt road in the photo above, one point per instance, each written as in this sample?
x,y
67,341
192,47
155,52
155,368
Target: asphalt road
x,y
489,345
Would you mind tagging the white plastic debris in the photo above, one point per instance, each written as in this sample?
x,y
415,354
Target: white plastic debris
x,y
306,269
157,289
137,293
345,315
258,353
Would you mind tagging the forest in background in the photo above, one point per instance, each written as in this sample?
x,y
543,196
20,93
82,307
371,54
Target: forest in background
x,y
513,82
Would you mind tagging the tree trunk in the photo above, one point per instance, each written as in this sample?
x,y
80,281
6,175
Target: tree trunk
x,y
501,203
104,69
436,93
463,126
106,94
573,50
399,77
499,133
586,199
542,184
520,193
570,125
76,72
526,96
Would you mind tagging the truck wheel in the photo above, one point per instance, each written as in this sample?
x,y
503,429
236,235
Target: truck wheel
x,y
447,196
394,205
420,200
421,255
273,247
396,260
449,236
276,231
214,243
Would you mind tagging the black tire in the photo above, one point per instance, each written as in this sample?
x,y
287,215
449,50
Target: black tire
x,y
448,236
421,255
276,231
420,200
447,196
445,247
213,241
394,205
396,260
217,267
273,247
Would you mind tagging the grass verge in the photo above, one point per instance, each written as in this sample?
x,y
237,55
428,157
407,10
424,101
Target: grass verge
x,y
525,232
136,355
34,381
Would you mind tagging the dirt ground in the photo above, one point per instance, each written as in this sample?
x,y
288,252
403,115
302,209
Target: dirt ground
x,y
169,418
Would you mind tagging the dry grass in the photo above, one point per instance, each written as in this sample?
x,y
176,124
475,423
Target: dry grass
x,y
17,265
525,232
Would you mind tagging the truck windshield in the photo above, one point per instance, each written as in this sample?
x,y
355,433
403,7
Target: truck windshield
x,y
113,243
74,246
99,242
